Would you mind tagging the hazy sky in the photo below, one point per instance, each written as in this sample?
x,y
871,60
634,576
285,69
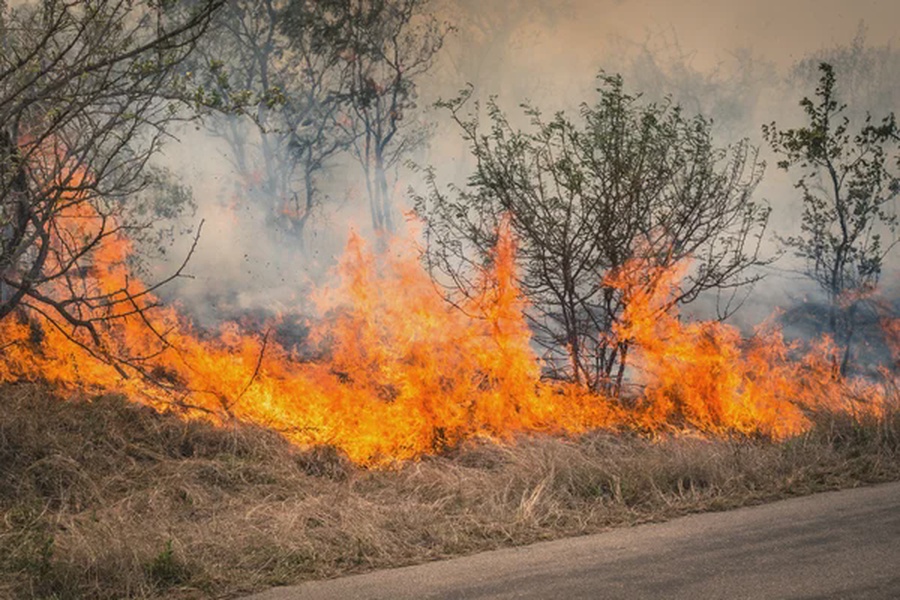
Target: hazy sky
x,y
781,31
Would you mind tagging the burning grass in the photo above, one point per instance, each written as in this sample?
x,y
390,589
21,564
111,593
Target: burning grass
x,y
392,372
408,430
106,498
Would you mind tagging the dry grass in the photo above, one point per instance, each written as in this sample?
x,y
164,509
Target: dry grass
x,y
106,499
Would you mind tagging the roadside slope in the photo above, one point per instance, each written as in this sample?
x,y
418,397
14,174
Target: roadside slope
x,y
103,498
842,544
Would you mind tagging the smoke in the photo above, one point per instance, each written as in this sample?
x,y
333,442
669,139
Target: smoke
x,y
242,261
742,64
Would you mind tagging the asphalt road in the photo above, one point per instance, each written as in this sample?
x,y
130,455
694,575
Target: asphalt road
x,y
834,545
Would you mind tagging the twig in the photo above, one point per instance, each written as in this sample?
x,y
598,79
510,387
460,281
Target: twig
x,y
259,360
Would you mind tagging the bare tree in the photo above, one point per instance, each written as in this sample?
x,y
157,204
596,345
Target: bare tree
x,y
627,180
318,79
727,93
277,86
488,34
867,73
387,46
849,221
87,92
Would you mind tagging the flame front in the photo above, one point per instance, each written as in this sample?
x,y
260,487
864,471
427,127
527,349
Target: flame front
x,y
705,375
400,373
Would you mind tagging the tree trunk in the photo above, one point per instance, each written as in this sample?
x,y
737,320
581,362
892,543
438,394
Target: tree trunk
x,y
383,195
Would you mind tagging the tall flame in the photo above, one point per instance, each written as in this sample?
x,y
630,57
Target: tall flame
x,y
400,373
706,375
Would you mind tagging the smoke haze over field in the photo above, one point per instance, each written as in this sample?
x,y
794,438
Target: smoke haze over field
x,y
554,47
779,31
732,60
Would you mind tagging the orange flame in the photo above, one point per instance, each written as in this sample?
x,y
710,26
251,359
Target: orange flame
x,y
401,373
706,375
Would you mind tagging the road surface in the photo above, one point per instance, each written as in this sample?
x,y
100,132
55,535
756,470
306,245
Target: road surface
x,y
834,545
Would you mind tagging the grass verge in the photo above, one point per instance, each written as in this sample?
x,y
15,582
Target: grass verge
x,y
103,498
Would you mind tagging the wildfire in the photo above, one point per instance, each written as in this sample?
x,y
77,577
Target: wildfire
x,y
399,373
706,375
